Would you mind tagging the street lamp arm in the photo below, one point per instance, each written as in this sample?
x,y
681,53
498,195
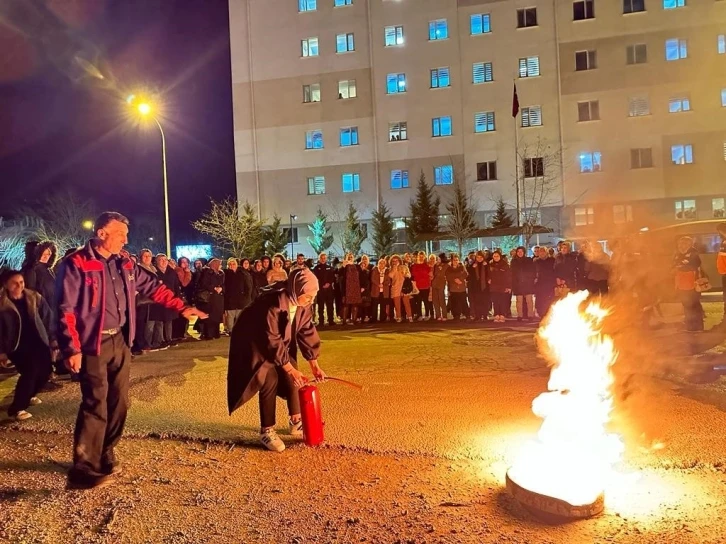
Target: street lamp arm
x,y
166,188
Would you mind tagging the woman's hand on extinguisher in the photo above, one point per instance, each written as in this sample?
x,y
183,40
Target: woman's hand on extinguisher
x,y
317,371
297,377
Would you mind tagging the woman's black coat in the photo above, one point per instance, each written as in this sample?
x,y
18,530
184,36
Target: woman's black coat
x,y
233,289
546,278
523,276
259,281
265,339
206,298
41,278
170,279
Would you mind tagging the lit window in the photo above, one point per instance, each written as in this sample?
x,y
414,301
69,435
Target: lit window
x,y
482,72
533,167
393,35
676,49
638,106
682,154
480,23
399,179
686,209
532,116
526,17
585,60
633,6
584,216
438,30
441,126
347,89
440,78
396,83
679,104
622,213
316,185
723,98
673,4
486,171
588,111
339,3
344,43
310,47
351,183
529,67
636,54
718,208
348,136
484,121
590,162
641,158
311,93
583,9
443,175
307,5
314,139
398,132
721,44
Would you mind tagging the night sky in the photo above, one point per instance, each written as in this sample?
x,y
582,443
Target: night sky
x,y
63,126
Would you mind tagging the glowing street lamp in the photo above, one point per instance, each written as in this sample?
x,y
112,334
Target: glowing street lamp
x,y
87,224
145,109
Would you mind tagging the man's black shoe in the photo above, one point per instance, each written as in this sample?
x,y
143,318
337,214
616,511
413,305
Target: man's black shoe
x,y
111,469
76,481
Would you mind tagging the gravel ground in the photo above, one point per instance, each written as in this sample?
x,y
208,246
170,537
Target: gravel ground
x,y
418,457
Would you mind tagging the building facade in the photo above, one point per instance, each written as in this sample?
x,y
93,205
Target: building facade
x,y
620,121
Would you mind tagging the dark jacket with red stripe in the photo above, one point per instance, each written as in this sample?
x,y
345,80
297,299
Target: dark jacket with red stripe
x,y
81,290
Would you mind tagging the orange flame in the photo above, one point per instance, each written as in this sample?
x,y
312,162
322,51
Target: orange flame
x,y
573,456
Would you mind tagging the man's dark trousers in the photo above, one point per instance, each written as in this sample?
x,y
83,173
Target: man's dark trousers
x,y
325,301
101,418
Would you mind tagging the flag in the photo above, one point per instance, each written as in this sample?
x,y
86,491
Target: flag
x,y
515,102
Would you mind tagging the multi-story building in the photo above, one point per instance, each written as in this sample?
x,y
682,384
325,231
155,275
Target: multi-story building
x,y
339,101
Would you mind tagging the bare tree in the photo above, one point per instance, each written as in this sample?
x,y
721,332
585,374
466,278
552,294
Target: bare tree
x,y
539,179
236,230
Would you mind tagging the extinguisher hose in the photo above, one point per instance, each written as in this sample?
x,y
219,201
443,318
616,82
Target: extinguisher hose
x,y
345,382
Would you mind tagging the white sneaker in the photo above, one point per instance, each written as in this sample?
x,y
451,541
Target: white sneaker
x,y
271,441
35,401
296,429
22,415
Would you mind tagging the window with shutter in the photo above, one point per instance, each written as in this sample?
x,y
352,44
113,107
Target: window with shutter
x,y
438,30
529,67
638,106
482,72
393,36
440,78
532,116
443,175
399,179
484,121
314,139
398,131
316,185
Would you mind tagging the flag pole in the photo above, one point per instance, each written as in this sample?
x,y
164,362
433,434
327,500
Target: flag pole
x,y
515,112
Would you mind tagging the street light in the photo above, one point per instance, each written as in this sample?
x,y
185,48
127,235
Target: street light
x,y
145,109
87,224
293,217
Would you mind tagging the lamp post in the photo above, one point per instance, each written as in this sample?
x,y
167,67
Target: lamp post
x,y
145,110
293,217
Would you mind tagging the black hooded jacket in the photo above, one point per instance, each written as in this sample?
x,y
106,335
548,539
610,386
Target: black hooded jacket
x,y
39,276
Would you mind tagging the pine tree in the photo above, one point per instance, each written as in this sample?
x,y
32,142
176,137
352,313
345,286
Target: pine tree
x,y
254,241
425,208
353,234
383,234
461,223
321,238
502,219
276,239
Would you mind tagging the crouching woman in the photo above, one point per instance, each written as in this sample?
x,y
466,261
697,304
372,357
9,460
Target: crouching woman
x,y
263,352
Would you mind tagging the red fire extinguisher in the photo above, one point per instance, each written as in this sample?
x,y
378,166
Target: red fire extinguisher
x,y
312,416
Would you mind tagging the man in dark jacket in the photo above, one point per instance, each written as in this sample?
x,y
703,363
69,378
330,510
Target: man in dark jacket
x,y
96,292
478,284
163,317
545,281
566,267
262,354
27,338
234,297
326,280
523,276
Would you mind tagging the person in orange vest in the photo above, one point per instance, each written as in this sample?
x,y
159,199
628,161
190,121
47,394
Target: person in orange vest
x,y
721,264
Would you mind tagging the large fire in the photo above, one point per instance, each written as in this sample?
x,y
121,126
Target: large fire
x,y
573,456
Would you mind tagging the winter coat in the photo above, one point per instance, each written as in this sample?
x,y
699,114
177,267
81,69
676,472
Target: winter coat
x,y
325,274
478,277
397,277
259,281
453,274
248,288
686,267
157,312
267,341
206,298
524,274
365,281
500,276
376,274
420,274
10,321
566,268
545,279
185,281
439,273
41,278
234,296
80,284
